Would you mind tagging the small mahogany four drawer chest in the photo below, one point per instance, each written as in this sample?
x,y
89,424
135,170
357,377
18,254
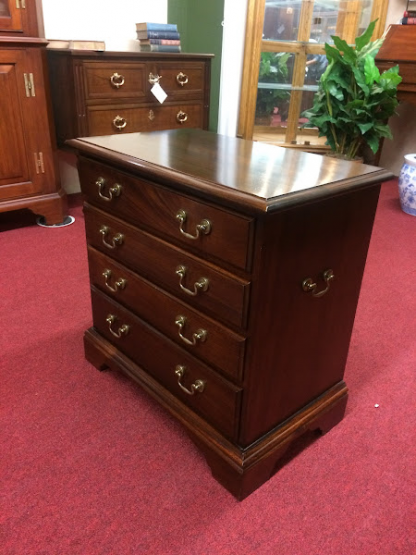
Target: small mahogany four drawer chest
x,y
101,93
225,276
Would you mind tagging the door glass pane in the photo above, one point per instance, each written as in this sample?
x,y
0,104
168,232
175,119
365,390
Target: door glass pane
x,y
274,88
281,20
324,20
4,8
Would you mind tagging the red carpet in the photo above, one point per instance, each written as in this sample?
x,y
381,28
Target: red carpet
x,y
91,466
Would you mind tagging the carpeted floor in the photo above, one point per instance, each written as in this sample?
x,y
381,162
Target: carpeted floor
x,y
90,465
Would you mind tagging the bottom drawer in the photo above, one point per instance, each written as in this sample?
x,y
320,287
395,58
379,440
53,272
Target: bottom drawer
x,y
206,392
110,119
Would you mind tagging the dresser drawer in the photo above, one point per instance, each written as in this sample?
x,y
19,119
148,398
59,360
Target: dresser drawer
x,y
194,281
156,208
179,79
108,120
215,398
201,336
115,80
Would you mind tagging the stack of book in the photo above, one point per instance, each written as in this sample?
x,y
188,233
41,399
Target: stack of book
x,y
409,18
158,37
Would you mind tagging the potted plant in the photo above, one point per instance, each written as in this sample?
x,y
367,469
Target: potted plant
x,y
273,69
354,101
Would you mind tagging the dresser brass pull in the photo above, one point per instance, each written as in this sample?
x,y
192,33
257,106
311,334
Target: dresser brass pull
x,y
199,335
310,286
119,284
204,227
153,79
117,80
119,123
182,79
151,115
200,285
113,192
198,386
116,241
181,117
122,330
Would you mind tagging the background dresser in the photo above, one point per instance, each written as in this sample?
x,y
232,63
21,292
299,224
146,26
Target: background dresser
x,y
28,173
225,276
101,93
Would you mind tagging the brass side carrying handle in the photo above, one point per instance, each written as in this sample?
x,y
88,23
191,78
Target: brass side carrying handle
x,y
116,241
197,387
309,286
154,79
200,285
181,116
202,228
118,284
182,78
199,335
113,192
122,330
119,123
117,80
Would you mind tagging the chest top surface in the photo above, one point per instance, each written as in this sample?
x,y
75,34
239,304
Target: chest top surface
x,y
263,177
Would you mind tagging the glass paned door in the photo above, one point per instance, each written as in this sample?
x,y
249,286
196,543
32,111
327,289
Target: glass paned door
x,y
283,67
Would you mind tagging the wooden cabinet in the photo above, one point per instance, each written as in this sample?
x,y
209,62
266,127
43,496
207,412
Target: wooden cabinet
x,y
104,93
225,277
21,18
399,47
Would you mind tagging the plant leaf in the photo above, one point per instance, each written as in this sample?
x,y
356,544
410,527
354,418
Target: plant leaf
x,y
365,38
371,71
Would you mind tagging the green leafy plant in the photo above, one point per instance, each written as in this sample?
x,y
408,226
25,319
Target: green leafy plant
x,y
354,101
273,69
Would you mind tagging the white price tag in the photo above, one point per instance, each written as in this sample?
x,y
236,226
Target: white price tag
x,y
159,93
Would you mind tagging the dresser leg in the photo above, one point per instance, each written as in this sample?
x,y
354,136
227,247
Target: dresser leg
x,y
94,354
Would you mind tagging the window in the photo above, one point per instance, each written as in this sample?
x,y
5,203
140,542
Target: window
x,y
285,57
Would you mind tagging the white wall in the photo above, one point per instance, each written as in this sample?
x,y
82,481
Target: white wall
x,y
111,21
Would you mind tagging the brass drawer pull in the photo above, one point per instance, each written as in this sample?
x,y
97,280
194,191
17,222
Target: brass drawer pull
x,y
199,335
113,192
117,80
153,79
182,79
119,123
122,330
116,241
119,284
204,227
197,387
151,115
181,117
200,285
310,286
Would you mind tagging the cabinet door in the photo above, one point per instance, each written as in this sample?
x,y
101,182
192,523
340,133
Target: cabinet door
x,y
10,16
18,160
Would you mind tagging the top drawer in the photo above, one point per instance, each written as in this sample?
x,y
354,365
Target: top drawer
x,y
199,227
115,80
178,79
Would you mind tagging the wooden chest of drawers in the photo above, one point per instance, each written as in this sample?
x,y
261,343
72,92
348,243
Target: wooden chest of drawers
x,y
101,93
225,276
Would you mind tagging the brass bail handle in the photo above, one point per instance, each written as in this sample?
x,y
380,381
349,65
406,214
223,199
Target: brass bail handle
x,y
113,192
199,286
203,228
122,330
200,335
309,286
119,123
116,241
119,284
197,387
182,78
181,117
117,80
154,78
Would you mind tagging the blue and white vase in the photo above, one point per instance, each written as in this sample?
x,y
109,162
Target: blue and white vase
x,y
407,185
